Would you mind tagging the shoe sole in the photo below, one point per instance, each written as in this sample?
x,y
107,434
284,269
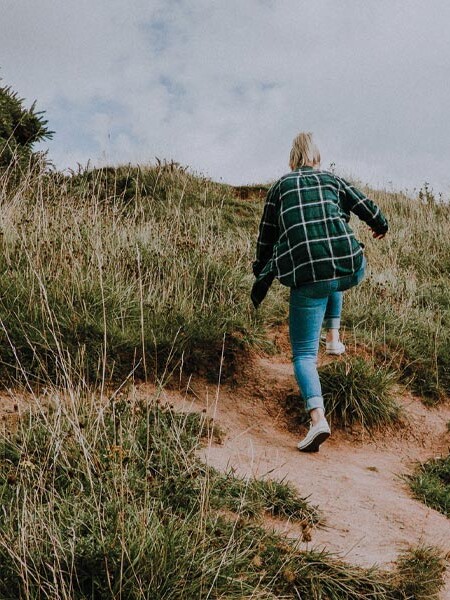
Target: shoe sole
x,y
314,444
330,352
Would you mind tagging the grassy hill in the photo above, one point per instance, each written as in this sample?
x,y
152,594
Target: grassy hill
x,y
136,269
126,274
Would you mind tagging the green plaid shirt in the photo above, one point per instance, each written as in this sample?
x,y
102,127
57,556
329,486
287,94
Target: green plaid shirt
x,y
304,235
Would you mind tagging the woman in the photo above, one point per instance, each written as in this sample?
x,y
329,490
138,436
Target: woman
x,y
305,241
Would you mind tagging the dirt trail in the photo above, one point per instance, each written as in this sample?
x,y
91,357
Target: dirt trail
x,y
355,479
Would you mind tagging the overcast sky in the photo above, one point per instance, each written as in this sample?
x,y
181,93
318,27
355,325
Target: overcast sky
x,y
224,85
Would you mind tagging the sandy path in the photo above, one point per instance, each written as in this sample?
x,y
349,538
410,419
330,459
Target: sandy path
x,y
355,479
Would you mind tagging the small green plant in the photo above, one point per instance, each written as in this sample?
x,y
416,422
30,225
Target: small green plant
x,y
356,391
431,483
426,194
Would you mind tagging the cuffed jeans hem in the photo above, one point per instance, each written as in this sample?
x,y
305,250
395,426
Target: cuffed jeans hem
x,y
332,323
314,402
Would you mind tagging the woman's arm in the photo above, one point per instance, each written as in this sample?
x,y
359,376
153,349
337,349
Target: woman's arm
x,y
355,201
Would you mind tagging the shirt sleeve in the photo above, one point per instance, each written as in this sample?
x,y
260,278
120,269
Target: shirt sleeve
x,y
355,201
268,231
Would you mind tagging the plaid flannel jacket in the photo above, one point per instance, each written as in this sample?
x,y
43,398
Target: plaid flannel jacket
x,y
304,235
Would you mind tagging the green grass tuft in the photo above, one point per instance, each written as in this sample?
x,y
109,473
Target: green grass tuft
x,y
431,483
422,571
253,497
356,391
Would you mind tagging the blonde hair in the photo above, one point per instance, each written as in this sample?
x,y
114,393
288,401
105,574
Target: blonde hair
x,y
304,152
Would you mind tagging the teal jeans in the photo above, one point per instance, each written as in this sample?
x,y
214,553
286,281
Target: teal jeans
x,y
311,306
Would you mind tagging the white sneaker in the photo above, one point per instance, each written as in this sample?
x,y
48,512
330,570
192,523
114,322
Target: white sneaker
x,y
316,435
334,348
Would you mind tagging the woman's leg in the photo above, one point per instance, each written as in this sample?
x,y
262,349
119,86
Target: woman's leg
x,y
305,321
332,320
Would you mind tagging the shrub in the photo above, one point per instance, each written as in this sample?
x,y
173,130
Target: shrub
x,y
20,128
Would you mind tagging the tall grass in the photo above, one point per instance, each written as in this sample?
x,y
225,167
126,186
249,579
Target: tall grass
x,y
404,304
131,272
134,265
129,266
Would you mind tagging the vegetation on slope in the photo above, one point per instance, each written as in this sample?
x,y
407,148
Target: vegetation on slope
x,y
140,268
403,308
135,271
111,501
112,271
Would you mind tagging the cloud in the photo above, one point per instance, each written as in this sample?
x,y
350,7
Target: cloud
x,y
225,86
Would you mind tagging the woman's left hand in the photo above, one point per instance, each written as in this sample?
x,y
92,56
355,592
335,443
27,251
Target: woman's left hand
x,y
377,236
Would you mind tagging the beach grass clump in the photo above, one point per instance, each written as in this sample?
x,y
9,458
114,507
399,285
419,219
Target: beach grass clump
x,y
430,483
356,391
254,497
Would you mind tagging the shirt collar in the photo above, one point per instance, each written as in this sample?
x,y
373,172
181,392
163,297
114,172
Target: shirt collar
x,y
305,168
